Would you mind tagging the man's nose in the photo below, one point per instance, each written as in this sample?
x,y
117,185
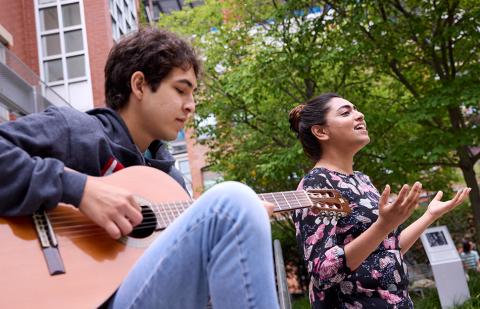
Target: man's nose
x,y
190,105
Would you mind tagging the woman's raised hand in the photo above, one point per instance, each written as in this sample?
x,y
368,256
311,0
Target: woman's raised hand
x,y
391,215
437,208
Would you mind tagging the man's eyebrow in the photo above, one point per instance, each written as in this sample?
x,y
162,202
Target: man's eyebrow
x,y
186,82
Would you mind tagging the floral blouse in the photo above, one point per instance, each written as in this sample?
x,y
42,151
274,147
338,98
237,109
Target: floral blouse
x,y
381,280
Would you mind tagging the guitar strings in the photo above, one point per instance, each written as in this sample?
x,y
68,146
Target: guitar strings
x,y
171,208
165,213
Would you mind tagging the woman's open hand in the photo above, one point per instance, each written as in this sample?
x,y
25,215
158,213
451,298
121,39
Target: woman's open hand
x,y
437,208
391,215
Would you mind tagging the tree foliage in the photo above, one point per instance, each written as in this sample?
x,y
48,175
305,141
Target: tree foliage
x,y
431,50
411,67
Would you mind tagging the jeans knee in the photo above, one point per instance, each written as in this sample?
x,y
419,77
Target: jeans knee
x,y
240,200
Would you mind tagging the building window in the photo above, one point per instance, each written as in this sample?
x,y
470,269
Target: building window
x,y
73,41
183,166
71,15
51,45
124,17
63,50
179,145
4,113
53,70
157,7
61,40
76,66
2,53
210,178
49,18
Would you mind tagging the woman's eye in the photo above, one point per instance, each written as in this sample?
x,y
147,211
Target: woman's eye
x,y
180,91
346,113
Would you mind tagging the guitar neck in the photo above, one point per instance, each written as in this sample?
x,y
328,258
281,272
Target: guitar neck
x,y
283,201
287,200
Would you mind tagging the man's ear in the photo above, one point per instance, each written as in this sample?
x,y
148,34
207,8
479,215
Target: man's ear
x,y
137,81
320,132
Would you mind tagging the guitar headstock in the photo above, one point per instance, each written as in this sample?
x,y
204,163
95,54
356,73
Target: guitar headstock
x,y
328,203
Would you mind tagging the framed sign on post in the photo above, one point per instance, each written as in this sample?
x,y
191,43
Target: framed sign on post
x,y
446,265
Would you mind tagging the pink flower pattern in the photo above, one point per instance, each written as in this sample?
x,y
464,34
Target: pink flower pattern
x,y
380,281
389,297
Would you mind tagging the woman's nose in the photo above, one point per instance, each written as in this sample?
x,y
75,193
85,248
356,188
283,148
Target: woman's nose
x,y
360,115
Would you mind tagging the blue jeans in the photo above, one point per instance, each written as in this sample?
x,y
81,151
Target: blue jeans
x,y
220,246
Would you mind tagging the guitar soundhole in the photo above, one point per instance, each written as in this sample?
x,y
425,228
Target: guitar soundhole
x,y
148,225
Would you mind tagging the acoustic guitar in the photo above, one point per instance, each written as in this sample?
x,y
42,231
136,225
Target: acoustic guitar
x,y
60,259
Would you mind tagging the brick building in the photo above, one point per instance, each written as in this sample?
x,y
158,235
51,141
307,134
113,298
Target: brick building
x,y
65,43
53,52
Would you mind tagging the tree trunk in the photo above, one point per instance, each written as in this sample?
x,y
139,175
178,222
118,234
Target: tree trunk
x,y
471,181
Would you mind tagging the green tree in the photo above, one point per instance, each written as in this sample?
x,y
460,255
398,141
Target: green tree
x,y
410,66
431,49
260,62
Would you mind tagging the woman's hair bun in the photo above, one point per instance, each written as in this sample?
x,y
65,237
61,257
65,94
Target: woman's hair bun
x,y
294,118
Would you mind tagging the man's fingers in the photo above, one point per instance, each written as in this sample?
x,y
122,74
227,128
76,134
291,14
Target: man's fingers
x,y
133,202
112,230
124,225
134,215
269,207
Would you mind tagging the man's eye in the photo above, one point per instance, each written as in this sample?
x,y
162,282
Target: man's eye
x,y
180,91
346,113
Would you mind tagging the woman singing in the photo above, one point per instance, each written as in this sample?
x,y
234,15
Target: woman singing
x,y
356,262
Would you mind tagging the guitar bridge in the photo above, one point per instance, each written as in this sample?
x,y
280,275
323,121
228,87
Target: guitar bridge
x,y
49,243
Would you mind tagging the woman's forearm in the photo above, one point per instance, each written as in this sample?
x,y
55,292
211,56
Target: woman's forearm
x,y
410,234
361,247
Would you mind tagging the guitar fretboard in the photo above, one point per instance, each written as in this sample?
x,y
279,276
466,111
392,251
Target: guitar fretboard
x,y
287,200
283,201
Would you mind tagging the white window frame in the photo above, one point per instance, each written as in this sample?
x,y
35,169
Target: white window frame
x,y
188,180
129,17
66,82
3,54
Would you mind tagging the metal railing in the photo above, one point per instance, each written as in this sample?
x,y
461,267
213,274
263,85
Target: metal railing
x,y
282,286
21,89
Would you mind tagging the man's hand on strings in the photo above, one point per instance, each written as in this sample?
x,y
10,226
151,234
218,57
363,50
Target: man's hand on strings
x,y
112,208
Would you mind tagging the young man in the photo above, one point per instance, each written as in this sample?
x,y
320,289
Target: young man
x,y
220,246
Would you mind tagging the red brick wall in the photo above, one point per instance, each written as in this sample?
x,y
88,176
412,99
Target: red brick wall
x,y
100,40
18,18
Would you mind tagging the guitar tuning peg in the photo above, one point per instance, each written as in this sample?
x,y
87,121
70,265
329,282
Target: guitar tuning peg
x,y
326,221
334,221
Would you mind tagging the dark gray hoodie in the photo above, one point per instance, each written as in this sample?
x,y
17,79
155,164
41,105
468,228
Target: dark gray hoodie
x,y
35,149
